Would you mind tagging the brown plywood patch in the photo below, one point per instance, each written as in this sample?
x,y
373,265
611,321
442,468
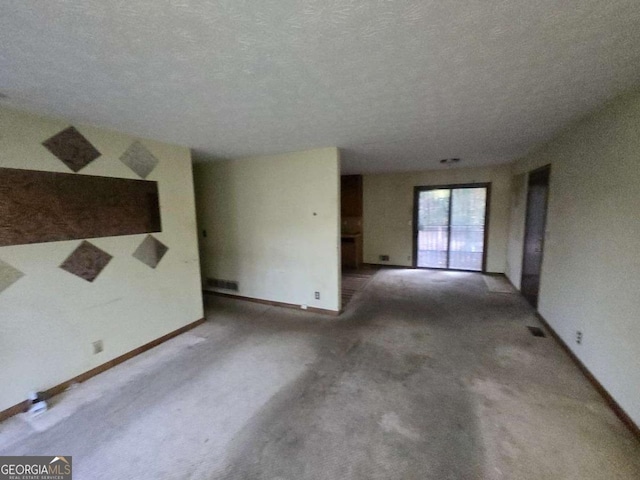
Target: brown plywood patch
x,y
38,207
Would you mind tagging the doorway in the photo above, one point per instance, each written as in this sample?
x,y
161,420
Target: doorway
x,y
534,232
451,226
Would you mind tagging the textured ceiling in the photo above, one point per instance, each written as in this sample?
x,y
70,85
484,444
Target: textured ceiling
x,y
396,84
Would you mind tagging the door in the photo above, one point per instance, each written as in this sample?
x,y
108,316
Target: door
x,y
450,226
535,224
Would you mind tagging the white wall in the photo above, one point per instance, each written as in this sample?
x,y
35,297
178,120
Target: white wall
x,y
515,244
49,318
388,211
591,267
273,225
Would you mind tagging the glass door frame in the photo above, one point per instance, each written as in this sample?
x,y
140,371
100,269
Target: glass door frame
x,y
416,200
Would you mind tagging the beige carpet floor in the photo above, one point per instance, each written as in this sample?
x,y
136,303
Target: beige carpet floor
x,y
426,375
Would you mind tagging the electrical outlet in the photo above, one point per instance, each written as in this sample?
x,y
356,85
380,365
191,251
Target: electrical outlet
x,y
579,337
97,347
384,258
317,295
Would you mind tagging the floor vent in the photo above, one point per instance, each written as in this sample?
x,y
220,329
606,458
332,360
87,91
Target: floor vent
x,y
536,331
222,284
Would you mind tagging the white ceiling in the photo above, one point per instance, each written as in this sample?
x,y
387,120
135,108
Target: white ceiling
x,y
397,85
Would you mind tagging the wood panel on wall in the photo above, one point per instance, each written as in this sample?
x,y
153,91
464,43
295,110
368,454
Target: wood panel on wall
x,y
351,222
37,206
351,195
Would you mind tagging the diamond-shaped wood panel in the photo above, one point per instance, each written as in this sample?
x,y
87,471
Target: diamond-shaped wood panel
x,y
151,251
8,275
87,261
139,159
72,148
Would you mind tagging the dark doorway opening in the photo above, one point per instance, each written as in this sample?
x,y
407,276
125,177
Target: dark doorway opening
x,y
534,233
451,226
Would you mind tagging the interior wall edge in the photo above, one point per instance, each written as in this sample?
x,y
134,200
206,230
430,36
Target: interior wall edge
x,y
620,412
69,316
588,273
83,377
281,218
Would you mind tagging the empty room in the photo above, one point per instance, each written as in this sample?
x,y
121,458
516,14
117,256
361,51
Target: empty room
x,y
304,239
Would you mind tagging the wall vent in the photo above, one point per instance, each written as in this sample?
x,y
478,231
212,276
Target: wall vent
x,y
536,331
222,284
450,160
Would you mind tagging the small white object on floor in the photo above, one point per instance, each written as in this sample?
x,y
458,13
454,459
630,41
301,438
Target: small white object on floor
x,y
37,404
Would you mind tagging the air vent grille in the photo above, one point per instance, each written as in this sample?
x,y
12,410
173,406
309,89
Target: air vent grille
x,y
222,284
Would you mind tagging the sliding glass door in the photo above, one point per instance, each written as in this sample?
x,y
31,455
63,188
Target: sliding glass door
x,y
450,226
